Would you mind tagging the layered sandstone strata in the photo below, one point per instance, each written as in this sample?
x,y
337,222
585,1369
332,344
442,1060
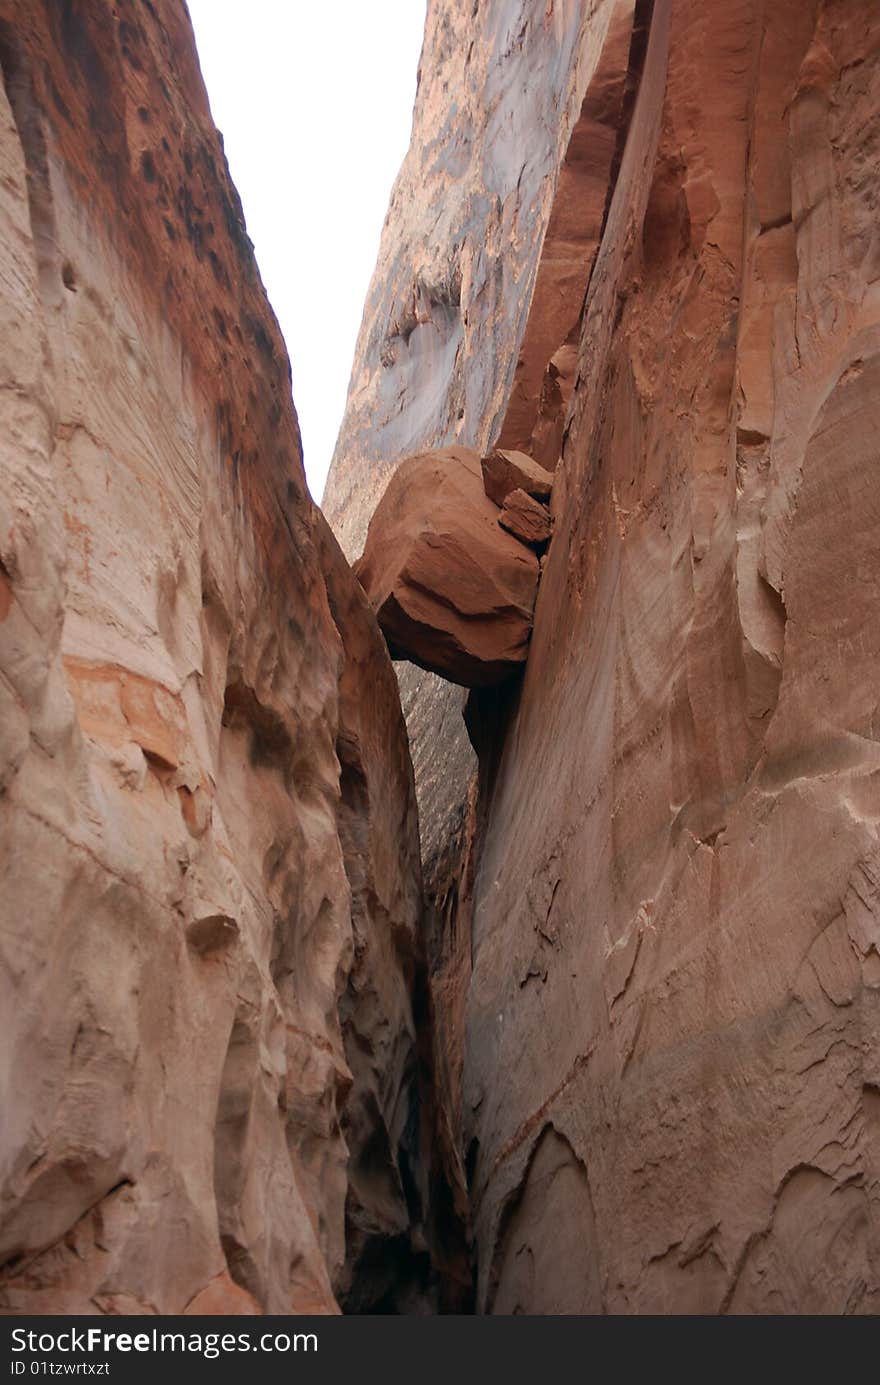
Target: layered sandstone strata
x,y
209,849
527,519
504,472
452,591
643,250
659,967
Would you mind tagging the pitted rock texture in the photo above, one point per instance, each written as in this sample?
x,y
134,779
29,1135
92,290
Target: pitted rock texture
x,y
657,959
673,1033
208,838
451,590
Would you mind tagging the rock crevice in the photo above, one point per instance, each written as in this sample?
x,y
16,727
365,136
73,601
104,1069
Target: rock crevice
x,y
649,928
606,1038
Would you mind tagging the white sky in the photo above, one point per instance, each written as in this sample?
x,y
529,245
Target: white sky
x,y
315,101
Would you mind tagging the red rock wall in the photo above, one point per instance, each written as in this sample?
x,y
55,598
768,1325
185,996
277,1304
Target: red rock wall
x,y
670,1037
643,238
209,848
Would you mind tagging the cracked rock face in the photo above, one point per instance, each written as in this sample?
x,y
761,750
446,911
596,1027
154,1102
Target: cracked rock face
x,y
452,591
659,965
505,471
208,840
526,519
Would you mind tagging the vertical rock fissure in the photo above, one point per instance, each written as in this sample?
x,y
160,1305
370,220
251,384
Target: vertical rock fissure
x,y
232,1130
18,83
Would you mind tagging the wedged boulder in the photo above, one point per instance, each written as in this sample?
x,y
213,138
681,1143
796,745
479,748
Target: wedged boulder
x,y
527,519
505,472
451,590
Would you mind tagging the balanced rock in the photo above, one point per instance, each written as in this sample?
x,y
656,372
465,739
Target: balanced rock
x,y
527,519
505,471
452,591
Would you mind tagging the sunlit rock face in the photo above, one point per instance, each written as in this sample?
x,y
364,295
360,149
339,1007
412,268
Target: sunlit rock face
x,y
657,973
208,839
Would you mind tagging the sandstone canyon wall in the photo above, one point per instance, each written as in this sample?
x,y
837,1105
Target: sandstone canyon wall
x,y
500,87
640,241
209,856
633,1033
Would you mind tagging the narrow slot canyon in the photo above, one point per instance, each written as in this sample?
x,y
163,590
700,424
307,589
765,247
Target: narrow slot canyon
x,y
462,897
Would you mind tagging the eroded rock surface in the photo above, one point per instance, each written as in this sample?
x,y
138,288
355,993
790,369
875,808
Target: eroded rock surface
x,y
638,242
451,590
500,93
208,839
670,1034
674,924
527,519
506,471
